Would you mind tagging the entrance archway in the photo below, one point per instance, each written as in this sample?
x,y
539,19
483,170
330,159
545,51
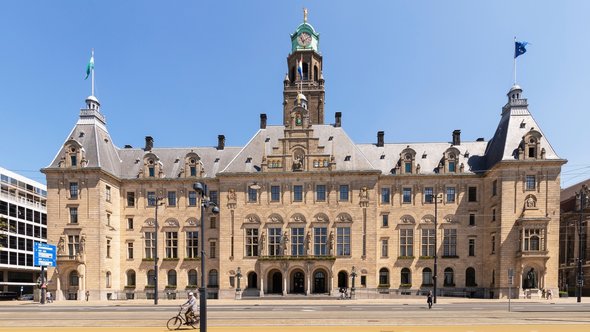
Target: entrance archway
x,y
342,279
275,282
252,280
319,282
530,278
297,282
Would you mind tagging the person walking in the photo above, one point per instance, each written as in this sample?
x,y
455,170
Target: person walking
x,y
429,299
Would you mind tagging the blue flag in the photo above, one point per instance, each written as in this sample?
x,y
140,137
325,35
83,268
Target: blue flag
x,y
519,48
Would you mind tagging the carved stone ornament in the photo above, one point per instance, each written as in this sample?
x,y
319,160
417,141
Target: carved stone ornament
x,y
406,219
530,202
150,222
192,222
344,217
428,219
253,219
449,218
231,195
171,223
298,217
320,217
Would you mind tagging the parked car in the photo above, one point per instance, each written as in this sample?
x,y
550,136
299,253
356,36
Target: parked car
x,y
26,297
8,296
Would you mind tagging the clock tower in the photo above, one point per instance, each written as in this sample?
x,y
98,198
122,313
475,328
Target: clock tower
x,y
304,74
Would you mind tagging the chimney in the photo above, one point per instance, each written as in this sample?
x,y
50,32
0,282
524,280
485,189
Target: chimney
x,y
262,121
220,142
380,136
456,137
149,143
338,119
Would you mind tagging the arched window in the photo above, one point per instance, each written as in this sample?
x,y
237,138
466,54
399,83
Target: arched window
x,y
108,279
384,277
171,278
535,243
406,277
305,71
315,73
213,279
292,74
342,279
130,278
449,277
192,278
151,278
470,277
427,277
74,279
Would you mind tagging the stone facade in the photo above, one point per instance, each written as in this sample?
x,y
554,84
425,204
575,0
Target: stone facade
x,y
305,210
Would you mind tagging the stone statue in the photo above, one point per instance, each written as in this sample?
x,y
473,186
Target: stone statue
x,y
285,243
231,195
262,242
364,194
531,278
61,246
304,14
307,242
298,162
530,202
82,244
331,242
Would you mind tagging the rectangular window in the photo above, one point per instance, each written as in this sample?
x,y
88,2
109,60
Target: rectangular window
x,y
493,239
472,219
130,199
129,250
212,249
129,223
320,237
193,170
450,194
171,244
73,215
213,222
385,195
320,193
171,198
428,195
343,241
530,182
74,160
452,166
495,188
275,193
252,195
428,248
298,241
74,190
450,243
192,198
151,198
384,248
408,168
192,244
150,244
471,247
108,193
298,193
364,281
494,214
214,196
406,242
407,195
343,193
251,242
73,245
472,194
385,220
534,239
151,171
108,219
108,248
274,242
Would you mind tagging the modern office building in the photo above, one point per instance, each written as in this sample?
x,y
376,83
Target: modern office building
x,y
23,221
304,209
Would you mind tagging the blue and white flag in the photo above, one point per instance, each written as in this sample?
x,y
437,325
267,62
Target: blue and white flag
x,y
300,68
519,48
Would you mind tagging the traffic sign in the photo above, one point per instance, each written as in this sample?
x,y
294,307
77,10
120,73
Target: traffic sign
x,y
44,254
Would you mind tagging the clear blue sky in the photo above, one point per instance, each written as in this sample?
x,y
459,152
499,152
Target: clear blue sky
x,y
186,71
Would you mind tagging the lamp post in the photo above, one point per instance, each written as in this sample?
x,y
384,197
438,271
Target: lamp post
x,y
158,199
583,195
352,289
435,198
201,190
238,289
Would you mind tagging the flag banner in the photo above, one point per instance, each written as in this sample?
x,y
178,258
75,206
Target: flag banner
x,y
90,66
300,68
519,48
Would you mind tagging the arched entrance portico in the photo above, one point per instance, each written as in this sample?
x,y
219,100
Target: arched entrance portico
x,y
297,282
252,280
275,282
342,279
320,281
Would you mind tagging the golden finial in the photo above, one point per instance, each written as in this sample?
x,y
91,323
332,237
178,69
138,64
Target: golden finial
x,y
305,15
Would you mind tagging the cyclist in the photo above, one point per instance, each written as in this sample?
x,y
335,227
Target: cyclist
x,y
192,308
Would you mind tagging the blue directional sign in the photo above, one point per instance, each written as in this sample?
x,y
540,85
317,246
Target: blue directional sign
x,y
44,254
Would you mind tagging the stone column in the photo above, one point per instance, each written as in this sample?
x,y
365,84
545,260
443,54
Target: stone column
x,y
308,288
284,284
261,286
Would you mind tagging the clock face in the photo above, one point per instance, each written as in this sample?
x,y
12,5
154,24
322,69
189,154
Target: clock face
x,y
304,39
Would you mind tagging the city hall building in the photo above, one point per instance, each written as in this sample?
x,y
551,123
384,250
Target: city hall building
x,y
304,210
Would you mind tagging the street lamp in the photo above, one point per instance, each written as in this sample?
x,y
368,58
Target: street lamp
x,y
584,195
239,276
435,198
158,199
352,289
201,190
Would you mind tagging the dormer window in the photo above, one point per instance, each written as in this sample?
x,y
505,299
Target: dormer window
x,y
452,168
192,165
151,171
451,159
193,170
406,163
531,145
74,160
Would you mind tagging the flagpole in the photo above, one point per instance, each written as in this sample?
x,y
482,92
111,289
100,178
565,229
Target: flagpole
x,y
514,60
92,73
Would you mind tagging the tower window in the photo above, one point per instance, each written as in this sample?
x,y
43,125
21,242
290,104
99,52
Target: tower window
x,y
305,71
315,73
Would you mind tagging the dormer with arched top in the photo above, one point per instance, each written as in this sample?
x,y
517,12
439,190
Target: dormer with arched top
x,y
530,146
193,167
407,161
152,167
74,155
450,160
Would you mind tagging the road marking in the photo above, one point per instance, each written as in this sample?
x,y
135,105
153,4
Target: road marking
x,y
476,309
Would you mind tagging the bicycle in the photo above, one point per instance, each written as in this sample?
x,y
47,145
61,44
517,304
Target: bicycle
x,y
177,321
